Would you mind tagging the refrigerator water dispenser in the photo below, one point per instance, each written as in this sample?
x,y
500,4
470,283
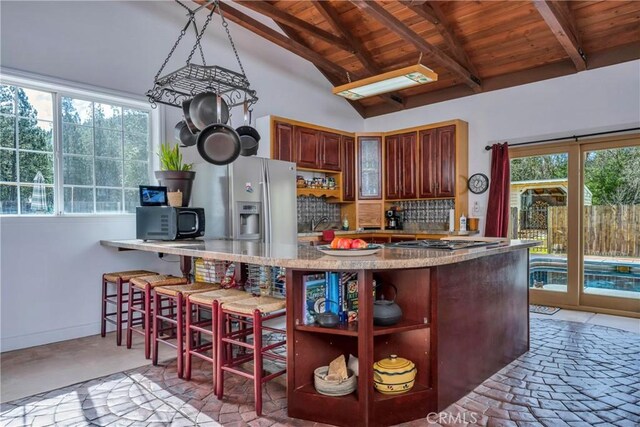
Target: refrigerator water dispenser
x,y
248,221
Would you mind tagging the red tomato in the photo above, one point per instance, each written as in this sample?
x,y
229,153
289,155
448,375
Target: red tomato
x,y
344,243
359,244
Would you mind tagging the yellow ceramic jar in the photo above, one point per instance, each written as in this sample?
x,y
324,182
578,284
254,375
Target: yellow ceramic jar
x,y
394,375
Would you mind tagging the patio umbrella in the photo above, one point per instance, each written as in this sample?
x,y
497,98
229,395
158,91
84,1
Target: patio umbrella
x,y
39,196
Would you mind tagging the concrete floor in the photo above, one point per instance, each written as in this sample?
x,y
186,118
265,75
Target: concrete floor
x,y
72,364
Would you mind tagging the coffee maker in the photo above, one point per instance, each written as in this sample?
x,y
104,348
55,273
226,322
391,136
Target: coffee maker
x,y
394,222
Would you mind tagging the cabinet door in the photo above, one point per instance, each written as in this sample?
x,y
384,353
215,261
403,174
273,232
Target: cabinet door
x,y
348,168
426,163
446,161
329,151
370,165
392,167
369,214
407,166
307,147
283,146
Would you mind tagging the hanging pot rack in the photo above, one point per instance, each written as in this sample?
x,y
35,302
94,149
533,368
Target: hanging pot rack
x,y
178,86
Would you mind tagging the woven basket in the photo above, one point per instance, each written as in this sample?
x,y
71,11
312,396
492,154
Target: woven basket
x,y
175,198
334,388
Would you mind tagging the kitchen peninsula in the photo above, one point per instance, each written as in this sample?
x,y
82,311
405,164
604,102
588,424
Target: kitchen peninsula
x,y
465,316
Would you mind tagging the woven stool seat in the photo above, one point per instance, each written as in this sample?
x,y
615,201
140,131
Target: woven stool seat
x,y
125,276
157,280
221,296
263,304
187,289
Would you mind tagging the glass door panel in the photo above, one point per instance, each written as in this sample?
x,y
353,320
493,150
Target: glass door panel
x,y
611,224
539,211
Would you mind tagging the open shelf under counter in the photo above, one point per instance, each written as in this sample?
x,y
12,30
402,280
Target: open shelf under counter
x,y
416,389
351,329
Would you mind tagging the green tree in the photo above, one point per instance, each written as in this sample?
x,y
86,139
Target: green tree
x,y
613,176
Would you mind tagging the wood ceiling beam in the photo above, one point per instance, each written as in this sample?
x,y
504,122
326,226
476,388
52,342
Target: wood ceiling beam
x,y
275,37
363,55
380,13
561,22
335,80
444,28
283,17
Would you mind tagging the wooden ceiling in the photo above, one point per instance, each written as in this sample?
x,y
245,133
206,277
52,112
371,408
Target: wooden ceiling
x,y
474,46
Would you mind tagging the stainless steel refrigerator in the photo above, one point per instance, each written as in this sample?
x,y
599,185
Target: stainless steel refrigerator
x,y
252,198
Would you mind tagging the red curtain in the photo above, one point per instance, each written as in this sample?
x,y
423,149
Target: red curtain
x,y
498,206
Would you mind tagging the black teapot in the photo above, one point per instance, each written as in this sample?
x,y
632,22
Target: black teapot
x,y
327,319
387,312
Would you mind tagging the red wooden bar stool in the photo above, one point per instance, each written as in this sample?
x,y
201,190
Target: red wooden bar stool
x,y
206,301
251,314
174,299
140,298
119,279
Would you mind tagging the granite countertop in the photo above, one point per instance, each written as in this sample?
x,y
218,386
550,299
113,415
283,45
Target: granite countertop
x,y
308,257
394,232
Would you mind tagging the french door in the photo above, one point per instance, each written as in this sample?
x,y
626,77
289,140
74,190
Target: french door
x,y
581,201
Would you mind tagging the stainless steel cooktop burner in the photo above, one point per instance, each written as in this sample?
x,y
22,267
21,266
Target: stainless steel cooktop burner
x,y
450,245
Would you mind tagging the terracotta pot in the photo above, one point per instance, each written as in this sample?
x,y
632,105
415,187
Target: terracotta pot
x,y
177,181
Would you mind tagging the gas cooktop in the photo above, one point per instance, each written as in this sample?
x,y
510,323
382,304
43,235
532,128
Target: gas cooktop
x,y
450,245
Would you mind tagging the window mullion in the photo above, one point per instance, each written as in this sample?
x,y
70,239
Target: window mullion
x,y
16,147
58,162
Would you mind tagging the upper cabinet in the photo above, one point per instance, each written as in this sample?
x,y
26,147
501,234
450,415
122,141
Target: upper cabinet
x,y
283,145
370,170
307,150
400,166
437,162
348,148
329,151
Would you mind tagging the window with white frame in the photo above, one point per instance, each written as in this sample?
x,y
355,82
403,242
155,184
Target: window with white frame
x,y
72,153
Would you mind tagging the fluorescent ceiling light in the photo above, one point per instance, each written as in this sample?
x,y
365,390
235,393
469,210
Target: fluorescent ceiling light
x,y
403,78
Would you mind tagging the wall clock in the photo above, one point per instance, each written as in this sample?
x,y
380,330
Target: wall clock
x,y
478,183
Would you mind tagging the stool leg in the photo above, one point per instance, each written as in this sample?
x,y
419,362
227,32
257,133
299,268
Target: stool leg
x,y
157,300
257,360
147,322
220,351
180,337
103,324
188,341
119,311
130,317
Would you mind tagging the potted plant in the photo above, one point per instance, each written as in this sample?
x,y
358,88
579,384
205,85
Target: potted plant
x,y
173,173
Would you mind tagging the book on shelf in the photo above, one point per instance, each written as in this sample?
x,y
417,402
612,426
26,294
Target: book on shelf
x,y
349,287
314,294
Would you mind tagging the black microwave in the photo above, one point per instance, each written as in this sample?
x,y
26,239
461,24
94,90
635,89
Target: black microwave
x,y
169,223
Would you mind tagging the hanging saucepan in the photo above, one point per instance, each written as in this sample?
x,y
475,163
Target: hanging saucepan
x,y
187,117
204,110
249,137
184,135
219,144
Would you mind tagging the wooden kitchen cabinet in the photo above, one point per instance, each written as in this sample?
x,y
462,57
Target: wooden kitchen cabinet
x,y
436,162
283,144
329,151
400,166
348,149
307,150
370,170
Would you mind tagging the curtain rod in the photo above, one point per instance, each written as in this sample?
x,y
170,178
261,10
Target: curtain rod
x,y
574,137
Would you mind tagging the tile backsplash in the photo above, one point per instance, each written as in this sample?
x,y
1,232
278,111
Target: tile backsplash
x,y
310,207
425,212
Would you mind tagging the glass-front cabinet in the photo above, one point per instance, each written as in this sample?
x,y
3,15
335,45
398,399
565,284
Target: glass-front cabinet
x,y
370,167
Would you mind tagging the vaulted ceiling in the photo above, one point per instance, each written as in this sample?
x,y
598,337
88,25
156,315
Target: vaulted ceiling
x,y
473,46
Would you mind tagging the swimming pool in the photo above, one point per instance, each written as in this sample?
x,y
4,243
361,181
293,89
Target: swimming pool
x,y
599,273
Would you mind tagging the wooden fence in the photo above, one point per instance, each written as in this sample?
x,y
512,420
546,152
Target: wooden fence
x,y
608,230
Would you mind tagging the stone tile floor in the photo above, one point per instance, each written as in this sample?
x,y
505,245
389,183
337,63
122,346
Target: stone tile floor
x,y
574,375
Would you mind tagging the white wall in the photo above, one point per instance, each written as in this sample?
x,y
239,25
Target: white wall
x,y
591,101
51,267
